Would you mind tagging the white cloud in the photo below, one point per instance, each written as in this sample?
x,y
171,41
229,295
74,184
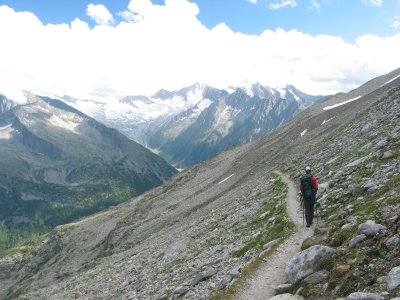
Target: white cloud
x,y
166,46
375,3
281,4
314,4
253,1
100,14
396,23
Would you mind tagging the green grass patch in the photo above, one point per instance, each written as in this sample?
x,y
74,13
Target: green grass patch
x,y
232,291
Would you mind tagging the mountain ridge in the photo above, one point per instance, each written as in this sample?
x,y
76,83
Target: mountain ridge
x,y
55,158
193,124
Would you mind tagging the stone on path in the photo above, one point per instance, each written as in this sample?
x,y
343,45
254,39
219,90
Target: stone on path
x,y
364,296
287,297
282,288
302,264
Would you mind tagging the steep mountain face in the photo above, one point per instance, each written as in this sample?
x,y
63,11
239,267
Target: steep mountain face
x,y
195,235
6,104
57,164
196,123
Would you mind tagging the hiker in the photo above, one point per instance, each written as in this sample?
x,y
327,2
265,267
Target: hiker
x,y
308,188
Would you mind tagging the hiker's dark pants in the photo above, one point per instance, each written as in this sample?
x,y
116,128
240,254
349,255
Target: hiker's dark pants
x,y
309,208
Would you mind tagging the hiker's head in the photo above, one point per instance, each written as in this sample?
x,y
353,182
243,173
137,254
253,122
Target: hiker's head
x,y
308,169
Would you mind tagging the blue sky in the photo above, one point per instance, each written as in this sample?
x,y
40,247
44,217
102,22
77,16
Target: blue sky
x,y
348,19
111,48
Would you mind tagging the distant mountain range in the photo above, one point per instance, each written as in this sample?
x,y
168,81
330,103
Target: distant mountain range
x,y
58,164
197,122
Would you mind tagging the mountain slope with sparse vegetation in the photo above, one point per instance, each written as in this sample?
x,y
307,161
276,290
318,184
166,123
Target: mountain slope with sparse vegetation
x,y
199,233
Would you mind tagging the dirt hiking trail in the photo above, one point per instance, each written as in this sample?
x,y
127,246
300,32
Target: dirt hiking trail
x,y
260,285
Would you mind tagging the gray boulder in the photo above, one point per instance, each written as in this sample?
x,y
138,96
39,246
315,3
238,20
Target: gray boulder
x,y
393,241
370,228
387,155
356,240
393,279
381,144
364,296
282,288
302,264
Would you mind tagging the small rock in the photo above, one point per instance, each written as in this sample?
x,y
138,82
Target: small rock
x,y
387,155
381,144
203,276
393,241
316,277
287,297
226,280
370,184
269,245
370,228
181,290
235,272
381,279
364,296
282,288
342,268
347,226
366,128
393,279
356,240
77,295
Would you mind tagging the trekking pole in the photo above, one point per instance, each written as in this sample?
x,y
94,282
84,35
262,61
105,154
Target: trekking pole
x,y
316,210
302,206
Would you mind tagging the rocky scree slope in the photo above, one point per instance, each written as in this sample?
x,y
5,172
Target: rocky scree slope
x,y
57,164
193,236
190,238
359,170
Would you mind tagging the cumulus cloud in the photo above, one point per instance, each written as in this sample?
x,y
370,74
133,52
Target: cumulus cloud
x,y
281,4
253,1
375,3
100,14
166,46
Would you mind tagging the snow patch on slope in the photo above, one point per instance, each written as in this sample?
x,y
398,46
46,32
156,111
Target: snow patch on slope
x,y
341,103
6,132
393,79
326,121
222,181
64,123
